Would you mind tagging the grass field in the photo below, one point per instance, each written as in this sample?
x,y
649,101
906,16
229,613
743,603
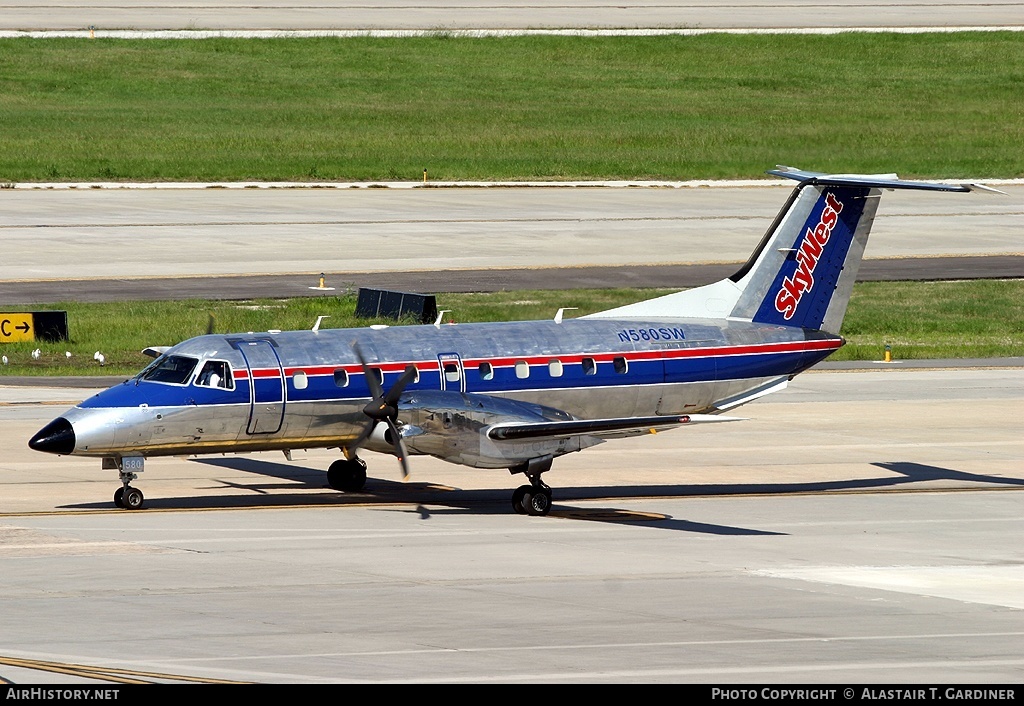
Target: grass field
x,y
943,105
974,319
515,108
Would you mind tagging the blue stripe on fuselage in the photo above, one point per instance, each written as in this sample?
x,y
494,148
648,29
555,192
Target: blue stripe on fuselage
x,y
644,370
155,394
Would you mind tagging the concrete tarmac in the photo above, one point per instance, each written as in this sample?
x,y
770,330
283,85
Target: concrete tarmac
x,y
442,15
57,236
859,527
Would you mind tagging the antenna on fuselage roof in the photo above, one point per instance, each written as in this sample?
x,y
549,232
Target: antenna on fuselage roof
x,y
440,315
558,316
316,326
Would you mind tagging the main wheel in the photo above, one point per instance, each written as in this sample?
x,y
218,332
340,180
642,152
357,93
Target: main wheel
x,y
537,502
119,497
347,475
132,498
517,498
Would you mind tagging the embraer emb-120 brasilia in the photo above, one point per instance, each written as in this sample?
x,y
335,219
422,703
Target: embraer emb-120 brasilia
x,y
512,395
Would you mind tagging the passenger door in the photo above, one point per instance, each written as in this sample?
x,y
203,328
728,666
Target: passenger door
x,y
453,377
266,386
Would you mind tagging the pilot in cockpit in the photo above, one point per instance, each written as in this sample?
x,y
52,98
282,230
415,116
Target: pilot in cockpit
x,y
214,374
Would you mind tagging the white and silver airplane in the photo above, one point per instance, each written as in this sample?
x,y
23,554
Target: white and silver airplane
x,y
512,395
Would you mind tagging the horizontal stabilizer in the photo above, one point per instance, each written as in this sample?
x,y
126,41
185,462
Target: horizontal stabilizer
x,y
801,274
604,428
877,181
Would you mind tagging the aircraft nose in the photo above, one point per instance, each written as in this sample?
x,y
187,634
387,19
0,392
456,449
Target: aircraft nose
x,y
57,437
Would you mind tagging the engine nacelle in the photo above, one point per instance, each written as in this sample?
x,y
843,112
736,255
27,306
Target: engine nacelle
x,y
380,439
452,426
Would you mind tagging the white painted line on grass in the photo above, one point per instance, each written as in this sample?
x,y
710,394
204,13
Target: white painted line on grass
x,y
692,184
388,33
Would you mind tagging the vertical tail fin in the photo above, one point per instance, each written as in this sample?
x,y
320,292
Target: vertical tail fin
x,y
802,272
803,275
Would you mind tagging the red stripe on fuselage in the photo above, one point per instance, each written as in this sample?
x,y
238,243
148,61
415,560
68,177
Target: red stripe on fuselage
x,y
573,358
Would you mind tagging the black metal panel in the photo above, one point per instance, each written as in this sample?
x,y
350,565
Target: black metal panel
x,y
385,304
51,325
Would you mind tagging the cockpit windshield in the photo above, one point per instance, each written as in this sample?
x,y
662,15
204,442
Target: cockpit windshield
x,y
175,369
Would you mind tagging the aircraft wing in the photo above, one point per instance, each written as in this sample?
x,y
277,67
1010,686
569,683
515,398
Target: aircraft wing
x,y
614,428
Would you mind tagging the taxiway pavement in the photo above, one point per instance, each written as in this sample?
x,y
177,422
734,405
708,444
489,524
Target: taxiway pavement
x,y
244,243
509,15
858,527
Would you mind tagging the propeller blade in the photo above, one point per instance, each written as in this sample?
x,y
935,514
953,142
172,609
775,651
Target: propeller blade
x,y
371,377
399,448
396,390
383,407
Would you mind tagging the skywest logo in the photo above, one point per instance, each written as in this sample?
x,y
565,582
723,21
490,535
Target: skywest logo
x,y
793,288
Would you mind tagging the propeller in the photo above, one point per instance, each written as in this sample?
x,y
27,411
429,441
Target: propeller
x,y
383,407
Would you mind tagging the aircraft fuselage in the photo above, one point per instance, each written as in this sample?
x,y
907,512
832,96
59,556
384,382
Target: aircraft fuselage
x,y
300,389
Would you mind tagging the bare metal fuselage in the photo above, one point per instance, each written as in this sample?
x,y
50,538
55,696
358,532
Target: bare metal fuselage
x,y
307,389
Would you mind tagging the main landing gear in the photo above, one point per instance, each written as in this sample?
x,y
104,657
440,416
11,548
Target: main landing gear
x,y
348,475
535,498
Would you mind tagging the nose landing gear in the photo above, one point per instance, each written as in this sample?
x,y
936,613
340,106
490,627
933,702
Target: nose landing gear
x,y
126,497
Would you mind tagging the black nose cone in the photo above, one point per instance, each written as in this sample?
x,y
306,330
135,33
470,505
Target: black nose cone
x,y
57,437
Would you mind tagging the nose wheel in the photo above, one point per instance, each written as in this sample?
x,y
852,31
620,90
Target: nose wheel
x,y
126,497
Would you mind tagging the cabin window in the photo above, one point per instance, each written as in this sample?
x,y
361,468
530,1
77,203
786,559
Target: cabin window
x,y
522,369
416,374
216,373
589,366
300,380
486,371
555,368
621,366
175,369
378,375
451,372
341,377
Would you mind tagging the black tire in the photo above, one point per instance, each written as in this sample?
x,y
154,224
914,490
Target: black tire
x,y
132,498
538,502
517,498
347,476
119,497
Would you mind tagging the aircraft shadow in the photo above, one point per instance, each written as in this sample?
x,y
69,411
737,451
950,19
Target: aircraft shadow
x,y
298,485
